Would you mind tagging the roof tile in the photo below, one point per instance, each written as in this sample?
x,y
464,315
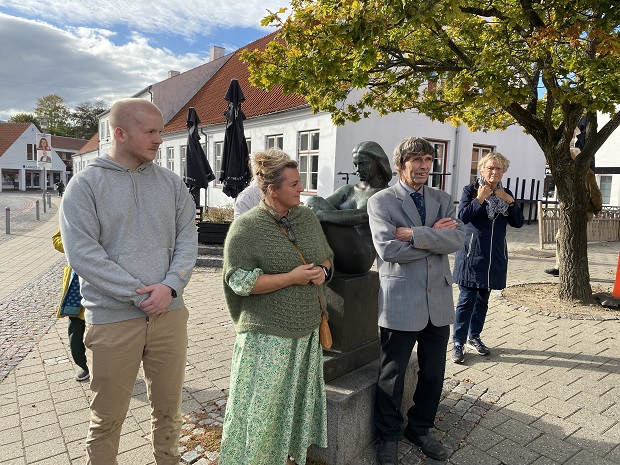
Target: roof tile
x,y
67,143
9,133
92,144
209,100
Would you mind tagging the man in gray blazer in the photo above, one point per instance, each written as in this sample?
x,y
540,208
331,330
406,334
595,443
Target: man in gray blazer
x,y
414,228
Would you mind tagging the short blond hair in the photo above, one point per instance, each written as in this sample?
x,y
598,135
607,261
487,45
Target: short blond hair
x,y
494,156
124,112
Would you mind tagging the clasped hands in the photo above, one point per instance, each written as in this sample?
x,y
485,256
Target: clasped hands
x,y
158,301
485,191
306,274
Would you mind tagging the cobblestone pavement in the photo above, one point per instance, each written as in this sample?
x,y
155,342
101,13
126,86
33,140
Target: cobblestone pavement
x,y
547,395
27,316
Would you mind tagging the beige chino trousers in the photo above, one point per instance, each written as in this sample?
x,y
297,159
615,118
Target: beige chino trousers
x,y
114,352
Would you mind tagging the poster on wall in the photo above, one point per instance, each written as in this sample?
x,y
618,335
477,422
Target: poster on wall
x,y
44,151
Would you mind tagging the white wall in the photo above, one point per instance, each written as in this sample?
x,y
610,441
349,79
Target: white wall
x,y
527,160
608,156
289,124
526,157
336,144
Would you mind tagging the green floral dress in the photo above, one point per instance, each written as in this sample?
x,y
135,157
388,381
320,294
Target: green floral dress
x,y
276,406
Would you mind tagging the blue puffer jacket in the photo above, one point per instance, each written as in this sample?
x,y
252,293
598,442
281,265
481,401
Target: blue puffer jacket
x,y
483,261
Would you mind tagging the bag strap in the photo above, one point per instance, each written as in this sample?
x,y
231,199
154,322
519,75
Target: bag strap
x,y
301,256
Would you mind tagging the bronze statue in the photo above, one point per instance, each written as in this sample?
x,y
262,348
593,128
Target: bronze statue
x,y
343,214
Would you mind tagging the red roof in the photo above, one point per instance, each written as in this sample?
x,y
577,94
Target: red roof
x,y
92,144
209,100
9,133
67,143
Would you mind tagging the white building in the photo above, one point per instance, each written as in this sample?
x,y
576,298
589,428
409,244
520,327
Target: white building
x,y
18,157
607,167
322,149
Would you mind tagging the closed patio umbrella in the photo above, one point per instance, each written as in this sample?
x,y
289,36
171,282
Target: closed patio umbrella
x,y
198,173
235,172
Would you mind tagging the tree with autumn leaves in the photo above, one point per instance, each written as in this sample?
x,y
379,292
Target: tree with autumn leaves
x,y
541,64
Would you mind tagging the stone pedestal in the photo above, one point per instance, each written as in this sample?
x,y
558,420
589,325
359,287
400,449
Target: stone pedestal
x,y
350,403
352,307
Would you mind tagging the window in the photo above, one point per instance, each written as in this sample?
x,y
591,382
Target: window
x,y
218,150
249,142
434,82
438,170
30,151
183,159
477,153
158,157
605,185
548,185
308,155
104,131
170,158
275,142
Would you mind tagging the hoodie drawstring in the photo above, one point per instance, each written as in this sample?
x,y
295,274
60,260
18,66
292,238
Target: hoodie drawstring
x,y
133,182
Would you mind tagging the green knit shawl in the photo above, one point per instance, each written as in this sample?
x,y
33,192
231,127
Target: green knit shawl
x,y
256,241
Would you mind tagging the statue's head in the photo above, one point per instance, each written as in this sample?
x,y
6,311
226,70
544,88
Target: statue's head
x,y
375,153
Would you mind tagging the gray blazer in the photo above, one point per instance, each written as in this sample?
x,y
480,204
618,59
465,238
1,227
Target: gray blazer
x,y
415,281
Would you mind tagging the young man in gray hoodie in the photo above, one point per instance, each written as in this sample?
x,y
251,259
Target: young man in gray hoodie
x,y
129,233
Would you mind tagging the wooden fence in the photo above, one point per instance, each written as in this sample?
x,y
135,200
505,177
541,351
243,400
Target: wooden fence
x,y
606,227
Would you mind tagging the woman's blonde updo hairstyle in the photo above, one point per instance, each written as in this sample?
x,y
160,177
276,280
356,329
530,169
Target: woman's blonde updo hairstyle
x,y
269,166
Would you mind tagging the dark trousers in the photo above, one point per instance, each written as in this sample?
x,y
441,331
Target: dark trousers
x,y
76,341
396,348
471,313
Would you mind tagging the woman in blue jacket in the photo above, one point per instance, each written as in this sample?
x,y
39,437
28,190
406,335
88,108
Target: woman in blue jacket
x,y
482,264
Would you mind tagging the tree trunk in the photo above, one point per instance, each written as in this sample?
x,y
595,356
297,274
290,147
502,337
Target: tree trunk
x,y
572,241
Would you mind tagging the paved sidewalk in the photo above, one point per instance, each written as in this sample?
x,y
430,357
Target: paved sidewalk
x,y
549,393
25,253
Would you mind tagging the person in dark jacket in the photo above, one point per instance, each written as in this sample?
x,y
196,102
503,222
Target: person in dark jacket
x,y
482,264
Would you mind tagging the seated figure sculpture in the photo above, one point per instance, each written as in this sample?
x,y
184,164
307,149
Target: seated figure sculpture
x,y
343,214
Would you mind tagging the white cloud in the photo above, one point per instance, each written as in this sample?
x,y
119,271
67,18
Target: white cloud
x,y
77,64
187,18
72,48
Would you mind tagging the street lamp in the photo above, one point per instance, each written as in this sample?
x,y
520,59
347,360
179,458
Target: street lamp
x,y
44,125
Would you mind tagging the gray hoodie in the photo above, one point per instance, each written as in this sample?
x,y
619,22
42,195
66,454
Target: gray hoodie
x,y
123,230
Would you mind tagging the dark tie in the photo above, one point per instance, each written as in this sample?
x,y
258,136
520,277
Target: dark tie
x,y
419,203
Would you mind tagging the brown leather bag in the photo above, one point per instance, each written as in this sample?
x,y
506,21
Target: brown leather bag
x,y
325,334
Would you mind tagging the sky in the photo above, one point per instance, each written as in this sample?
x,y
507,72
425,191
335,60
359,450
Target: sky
x,y
85,50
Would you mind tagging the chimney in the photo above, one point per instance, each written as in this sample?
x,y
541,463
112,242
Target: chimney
x,y
216,52
173,73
